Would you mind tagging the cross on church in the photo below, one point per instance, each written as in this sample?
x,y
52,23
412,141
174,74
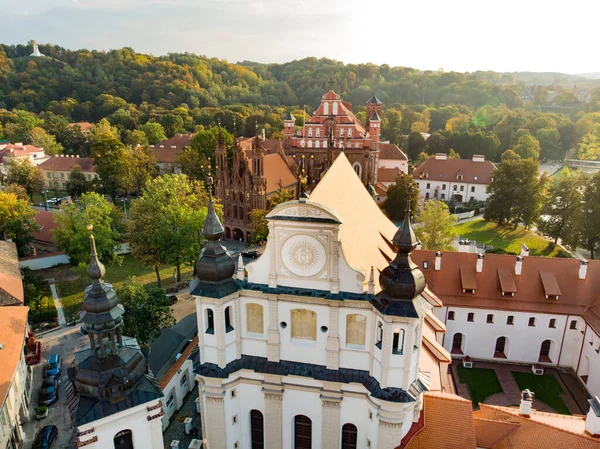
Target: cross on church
x,y
330,84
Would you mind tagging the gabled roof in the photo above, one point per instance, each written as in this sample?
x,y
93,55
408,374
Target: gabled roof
x,y
47,224
177,142
391,151
385,174
66,163
85,126
530,295
374,100
13,322
363,241
10,276
447,170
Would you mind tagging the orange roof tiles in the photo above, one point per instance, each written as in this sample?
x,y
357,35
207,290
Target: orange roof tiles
x,y
448,424
556,431
11,285
65,163
277,173
449,169
583,298
177,142
85,126
13,325
391,151
488,432
549,282
47,224
385,174
166,155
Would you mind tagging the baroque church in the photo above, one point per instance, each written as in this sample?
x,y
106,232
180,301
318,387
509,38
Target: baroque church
x,y
328,338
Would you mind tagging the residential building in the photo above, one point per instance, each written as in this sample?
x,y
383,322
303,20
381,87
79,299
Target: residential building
x,y
311,349
460,180
533,310
86,127
390,156
166,151
118,401
42,241
333,129
57,170
15,377
10,152
257,172
11,286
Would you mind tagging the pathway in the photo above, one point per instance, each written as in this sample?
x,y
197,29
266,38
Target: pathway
x,y
61,314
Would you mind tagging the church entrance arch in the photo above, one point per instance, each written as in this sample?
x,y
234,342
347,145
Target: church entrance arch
x,y
237,235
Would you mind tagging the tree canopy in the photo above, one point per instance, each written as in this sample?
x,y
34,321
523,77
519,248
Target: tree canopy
x,y
395,203
436,227
17,220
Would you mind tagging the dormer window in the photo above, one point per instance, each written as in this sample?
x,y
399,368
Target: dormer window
x,y
459,177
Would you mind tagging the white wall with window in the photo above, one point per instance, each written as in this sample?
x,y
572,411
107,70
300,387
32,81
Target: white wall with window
x,y
461,191
175,391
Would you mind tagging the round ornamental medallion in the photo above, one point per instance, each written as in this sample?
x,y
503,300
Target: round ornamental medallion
x,y
303,255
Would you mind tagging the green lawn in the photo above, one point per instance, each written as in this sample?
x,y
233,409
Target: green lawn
x,y
481,382
71,292
546,389
507,238
38,198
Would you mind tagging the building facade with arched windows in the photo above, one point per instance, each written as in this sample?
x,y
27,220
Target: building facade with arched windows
x,y
519,309
311,349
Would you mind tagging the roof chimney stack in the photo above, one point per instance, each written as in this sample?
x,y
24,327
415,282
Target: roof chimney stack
x,y
438,261
527,398
583,266
524,250
441,156
592,420
519,265
479,265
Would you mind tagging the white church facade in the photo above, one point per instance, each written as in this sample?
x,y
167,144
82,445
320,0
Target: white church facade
x,y
324,344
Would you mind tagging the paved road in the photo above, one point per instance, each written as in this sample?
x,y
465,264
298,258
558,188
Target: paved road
x,y
59,310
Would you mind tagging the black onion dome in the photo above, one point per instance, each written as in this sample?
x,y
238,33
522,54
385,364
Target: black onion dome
x,y
215,267
402,280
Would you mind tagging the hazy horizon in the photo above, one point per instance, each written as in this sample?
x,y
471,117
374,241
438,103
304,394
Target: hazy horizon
x,y
514,37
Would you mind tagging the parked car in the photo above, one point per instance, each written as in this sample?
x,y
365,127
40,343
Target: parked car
x,y
53,366
49,391
83,331
180,353
45,437
172,299
251,254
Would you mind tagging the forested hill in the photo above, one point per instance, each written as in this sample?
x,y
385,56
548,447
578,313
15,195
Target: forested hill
x,y
481,112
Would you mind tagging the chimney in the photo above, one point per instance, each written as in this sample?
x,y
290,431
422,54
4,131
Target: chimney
x,y
438,261
524,250
583,265
592,420
240,268
527,398
441,156
519,265
77,156
478,158
464,246
371,289
479,265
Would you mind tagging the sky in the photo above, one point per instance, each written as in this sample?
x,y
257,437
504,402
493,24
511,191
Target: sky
x,y
460,35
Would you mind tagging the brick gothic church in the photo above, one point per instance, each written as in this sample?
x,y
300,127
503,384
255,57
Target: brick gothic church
x,y
334,128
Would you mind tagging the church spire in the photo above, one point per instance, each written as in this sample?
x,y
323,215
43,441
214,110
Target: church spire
x,y
95,269
401,281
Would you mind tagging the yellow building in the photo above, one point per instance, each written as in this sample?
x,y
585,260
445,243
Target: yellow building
x,y
57,170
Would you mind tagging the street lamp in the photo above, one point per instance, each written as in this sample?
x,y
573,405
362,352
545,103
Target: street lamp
x,y
44,192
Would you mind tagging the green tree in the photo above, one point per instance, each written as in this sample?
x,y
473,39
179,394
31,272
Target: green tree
x,y
136,138
193,164
205,141
71,234
258,221
436,227
172,124
78,184
38,137
516,194
17,190
510,155
17,220
436,143
154,132
453,154
148,310
142,167
560,209
395,203
527,147
23,173
414,145
589,147
587,234
168,218
550,146
110,160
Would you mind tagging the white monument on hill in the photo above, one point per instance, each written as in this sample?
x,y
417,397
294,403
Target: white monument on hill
x,y
36,51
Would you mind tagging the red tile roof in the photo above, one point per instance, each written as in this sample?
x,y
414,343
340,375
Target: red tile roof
x,y
47,224
391,151
85,126
17,150
277,173
177,142
449,169
385,174
66,163
166,155
530,296
11,286
13,324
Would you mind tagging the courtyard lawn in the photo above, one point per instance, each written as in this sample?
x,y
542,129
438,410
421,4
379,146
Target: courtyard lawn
x,y
71,292
481,382
546,389
508,239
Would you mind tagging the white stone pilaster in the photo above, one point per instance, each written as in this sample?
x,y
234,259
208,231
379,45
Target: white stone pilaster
x,y
409,355
334,283
333,339
273,416
273,268
219,326
330,429
273,343
386,352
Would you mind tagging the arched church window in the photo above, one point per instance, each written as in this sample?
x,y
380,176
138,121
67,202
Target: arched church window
x,y
310,144
210,321
228,319
302,432
357,168
123,440
254,318
257,430
326,108
304,324
318,144
356,329
349,436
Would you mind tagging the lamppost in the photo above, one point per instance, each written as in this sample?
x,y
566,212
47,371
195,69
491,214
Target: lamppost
x,y
44,194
